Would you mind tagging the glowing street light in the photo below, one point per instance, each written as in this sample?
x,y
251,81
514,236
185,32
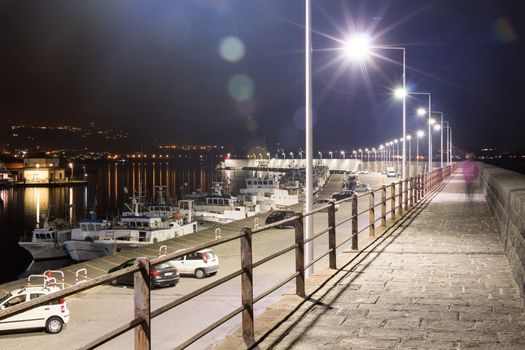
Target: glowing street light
x,y
291,155
358,46
320,155
71,166
343,154
284,155
331,155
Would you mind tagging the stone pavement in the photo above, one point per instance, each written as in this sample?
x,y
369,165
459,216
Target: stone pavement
x,y
437,280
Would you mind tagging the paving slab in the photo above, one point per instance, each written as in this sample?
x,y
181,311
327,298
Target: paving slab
x,y
440,280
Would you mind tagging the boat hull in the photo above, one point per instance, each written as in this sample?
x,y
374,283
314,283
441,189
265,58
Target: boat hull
x,y
45,251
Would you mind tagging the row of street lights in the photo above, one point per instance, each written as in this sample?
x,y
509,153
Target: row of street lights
x,y
357,47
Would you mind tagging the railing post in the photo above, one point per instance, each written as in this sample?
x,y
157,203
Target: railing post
x,y
393,201
405,193
419,187
331,236
383,206
412,192
354,222
425,180
400,198
141,284
299,257
371,215
247,284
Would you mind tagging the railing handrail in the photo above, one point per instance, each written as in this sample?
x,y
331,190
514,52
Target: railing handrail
x,y
420,186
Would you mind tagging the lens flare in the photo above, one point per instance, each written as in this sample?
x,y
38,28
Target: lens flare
x,y
241,87
231,49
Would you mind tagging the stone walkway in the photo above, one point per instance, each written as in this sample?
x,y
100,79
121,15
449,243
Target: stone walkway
x,y
439,281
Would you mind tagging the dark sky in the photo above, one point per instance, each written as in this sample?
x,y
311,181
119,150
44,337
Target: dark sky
x,y
155,68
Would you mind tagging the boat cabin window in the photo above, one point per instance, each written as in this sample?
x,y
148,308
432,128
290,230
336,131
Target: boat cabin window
x,y
97,227
84,227
91,227
265,182
249,182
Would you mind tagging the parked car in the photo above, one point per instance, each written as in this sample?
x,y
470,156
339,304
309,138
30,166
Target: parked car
x,y
363,188
200,263
51,316
163,274
281,215
391,172
343,194
322,202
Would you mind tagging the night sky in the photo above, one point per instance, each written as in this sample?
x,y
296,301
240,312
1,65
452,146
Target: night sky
x,y
231,72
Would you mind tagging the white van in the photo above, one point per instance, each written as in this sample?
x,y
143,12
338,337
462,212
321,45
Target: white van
x,y
390,171
200,263
51,316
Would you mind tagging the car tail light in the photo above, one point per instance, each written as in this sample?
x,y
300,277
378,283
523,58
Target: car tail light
x,y
154,273
204,258
61,300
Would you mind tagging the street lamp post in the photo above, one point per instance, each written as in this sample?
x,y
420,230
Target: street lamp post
x,y
409,139
441,148
359,47
448,141
419,135
422,111
72,175
343,154
309,192
331,155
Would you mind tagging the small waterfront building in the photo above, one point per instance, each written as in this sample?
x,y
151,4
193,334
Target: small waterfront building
x,y
42,170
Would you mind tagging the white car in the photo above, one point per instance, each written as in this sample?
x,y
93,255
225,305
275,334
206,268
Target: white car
x,y
51,316
363,188
200,263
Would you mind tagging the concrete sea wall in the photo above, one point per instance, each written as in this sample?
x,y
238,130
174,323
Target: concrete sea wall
x,y
505,193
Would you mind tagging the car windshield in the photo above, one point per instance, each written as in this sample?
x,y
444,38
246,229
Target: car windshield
x,y
164,265
5,297
209,255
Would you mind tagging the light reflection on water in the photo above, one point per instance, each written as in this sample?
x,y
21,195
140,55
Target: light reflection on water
x,y
22,209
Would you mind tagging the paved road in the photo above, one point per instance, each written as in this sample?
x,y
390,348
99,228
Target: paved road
x,y
97,311
441,282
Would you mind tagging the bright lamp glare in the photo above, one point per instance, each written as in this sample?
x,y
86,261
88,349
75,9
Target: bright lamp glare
x,y
431,121
421,111
420,134
358,46
400,93
437,127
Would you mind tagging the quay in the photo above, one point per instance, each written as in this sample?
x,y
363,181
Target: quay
x,y
431,272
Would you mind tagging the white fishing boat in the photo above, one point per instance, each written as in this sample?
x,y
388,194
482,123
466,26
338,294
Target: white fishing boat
x,y
80,247
268,194
47,242
134,229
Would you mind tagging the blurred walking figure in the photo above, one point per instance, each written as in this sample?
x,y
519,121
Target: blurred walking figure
x,y
470,174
